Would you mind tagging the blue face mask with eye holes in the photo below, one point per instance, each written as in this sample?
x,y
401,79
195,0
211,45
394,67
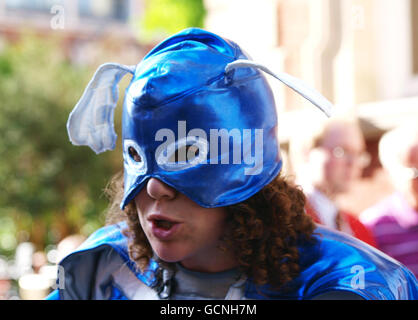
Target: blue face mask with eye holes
x,y
198,115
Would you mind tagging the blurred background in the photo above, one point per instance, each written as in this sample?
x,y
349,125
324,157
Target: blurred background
x,y
360,54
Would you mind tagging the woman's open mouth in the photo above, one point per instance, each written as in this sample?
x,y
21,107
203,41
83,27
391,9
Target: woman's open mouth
x,y
163,228
163,224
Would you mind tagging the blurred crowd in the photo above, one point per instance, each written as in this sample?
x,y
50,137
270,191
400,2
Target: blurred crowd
x,y
32,274
328,164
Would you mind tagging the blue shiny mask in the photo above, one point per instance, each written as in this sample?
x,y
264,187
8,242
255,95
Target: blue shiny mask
x,y
198,115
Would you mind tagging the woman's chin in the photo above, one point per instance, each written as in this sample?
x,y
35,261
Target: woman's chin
x,y
167,254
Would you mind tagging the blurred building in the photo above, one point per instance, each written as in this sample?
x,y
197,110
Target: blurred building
x,y
360,54
88,29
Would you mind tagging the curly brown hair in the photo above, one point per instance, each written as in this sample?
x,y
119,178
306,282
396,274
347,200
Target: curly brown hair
x,y
264,231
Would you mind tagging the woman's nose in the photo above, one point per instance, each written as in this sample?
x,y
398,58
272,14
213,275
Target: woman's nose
x,y
158,190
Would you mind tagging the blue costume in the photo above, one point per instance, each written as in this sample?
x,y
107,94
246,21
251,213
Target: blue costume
x,y
197,91
336,262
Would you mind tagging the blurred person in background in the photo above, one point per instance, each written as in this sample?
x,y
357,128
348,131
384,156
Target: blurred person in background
x,y
39,259
335,157
68,245
394,220
5,281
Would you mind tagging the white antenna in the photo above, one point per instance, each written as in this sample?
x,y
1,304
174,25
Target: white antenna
x,y
296,84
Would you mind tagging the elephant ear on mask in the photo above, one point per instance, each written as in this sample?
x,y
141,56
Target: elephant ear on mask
x,y
91,121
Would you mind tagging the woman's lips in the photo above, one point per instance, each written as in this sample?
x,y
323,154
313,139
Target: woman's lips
x,y
163,227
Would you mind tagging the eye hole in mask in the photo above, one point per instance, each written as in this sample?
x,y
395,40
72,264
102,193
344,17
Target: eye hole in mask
x,y
182,154
134,156
185,153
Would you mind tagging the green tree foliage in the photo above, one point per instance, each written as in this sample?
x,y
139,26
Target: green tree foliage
x,y
165,17
46,183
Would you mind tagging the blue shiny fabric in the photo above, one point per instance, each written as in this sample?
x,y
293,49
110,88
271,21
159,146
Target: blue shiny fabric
x,y
338,262
182,85
329,264
79,277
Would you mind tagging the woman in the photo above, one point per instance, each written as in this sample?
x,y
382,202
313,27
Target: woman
x,y
206,213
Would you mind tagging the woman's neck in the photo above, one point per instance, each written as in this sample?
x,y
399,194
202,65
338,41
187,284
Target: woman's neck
x,y
210,263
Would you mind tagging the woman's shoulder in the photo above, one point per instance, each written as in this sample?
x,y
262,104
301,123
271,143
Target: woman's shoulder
x,y
337,262
102,269
353,265
109,235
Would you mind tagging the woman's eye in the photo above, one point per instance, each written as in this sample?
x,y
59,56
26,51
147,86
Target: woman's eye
x,y
134,154
185,153
192,151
